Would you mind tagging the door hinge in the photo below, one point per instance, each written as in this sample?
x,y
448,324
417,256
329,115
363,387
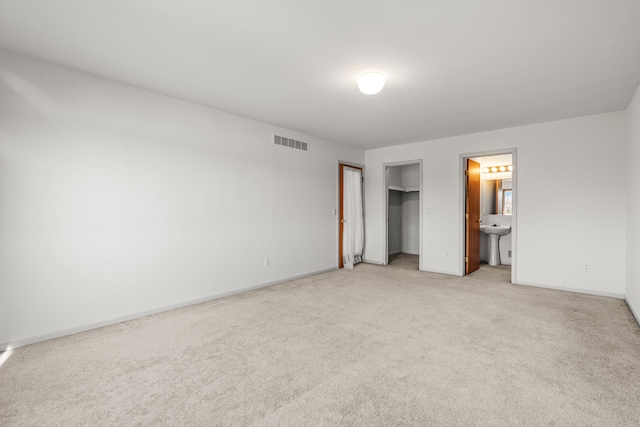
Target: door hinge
x,y
466,216
466,173
466,259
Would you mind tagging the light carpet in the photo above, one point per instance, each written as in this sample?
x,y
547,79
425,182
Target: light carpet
x,y
376,346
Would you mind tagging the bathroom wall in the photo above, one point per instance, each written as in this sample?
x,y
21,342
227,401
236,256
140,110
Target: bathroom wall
x,y
487,205
118,202
556,195
487,198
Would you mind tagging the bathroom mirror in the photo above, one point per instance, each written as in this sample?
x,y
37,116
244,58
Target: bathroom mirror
x,y
496,197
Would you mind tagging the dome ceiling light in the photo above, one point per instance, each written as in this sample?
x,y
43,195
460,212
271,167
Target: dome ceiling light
x,y
371,82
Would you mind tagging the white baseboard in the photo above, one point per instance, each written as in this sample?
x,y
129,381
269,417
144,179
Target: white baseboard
x,y
635,314
448,273
576,290
21,342
369,261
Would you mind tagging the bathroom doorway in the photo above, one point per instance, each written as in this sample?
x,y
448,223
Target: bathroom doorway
x,y
489,216
403,214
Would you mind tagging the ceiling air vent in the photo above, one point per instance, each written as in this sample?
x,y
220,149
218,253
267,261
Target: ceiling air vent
x,y
291,143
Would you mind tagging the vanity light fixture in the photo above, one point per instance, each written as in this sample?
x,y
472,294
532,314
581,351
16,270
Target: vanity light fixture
x,y
494,169
371,82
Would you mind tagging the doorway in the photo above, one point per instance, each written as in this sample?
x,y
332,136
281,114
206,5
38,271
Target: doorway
x,y
488,193
403,214
341,210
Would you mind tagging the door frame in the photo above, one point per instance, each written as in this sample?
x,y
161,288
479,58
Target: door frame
x,y
514,217
337,211
385,190
472,220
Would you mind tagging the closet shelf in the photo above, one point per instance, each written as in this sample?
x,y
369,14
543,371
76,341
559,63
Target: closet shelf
x,y
403,189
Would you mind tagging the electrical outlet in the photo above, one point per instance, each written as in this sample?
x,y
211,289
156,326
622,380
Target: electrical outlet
x,y
509,254
266,262
587,268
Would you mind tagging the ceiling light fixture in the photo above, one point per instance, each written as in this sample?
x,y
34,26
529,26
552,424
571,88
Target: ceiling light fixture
x,y
371,82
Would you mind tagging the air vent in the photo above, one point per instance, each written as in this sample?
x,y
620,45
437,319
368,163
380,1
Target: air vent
x,y
291,143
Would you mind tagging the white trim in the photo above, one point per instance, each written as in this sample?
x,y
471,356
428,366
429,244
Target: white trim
x,y
635,314
448,273
21,342
575,290
369,261
407,252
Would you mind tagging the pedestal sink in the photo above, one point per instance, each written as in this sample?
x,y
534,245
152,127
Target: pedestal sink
x,y
494,232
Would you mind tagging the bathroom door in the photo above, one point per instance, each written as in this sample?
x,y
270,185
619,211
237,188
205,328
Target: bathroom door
x,y
472,217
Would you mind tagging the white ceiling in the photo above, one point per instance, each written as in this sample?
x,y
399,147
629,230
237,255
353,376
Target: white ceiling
x,y
453,66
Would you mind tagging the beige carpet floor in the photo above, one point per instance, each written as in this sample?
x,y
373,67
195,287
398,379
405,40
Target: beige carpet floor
x,y
376,346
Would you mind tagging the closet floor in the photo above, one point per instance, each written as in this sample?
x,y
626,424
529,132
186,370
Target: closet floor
x,y
404,261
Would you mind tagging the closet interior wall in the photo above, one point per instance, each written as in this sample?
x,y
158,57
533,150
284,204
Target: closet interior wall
x,y
404,209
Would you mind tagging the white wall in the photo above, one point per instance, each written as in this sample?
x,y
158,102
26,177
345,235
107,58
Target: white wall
x,y
395,221
633,206
410,178
410,175
395,176
117,201
411,222
585,154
